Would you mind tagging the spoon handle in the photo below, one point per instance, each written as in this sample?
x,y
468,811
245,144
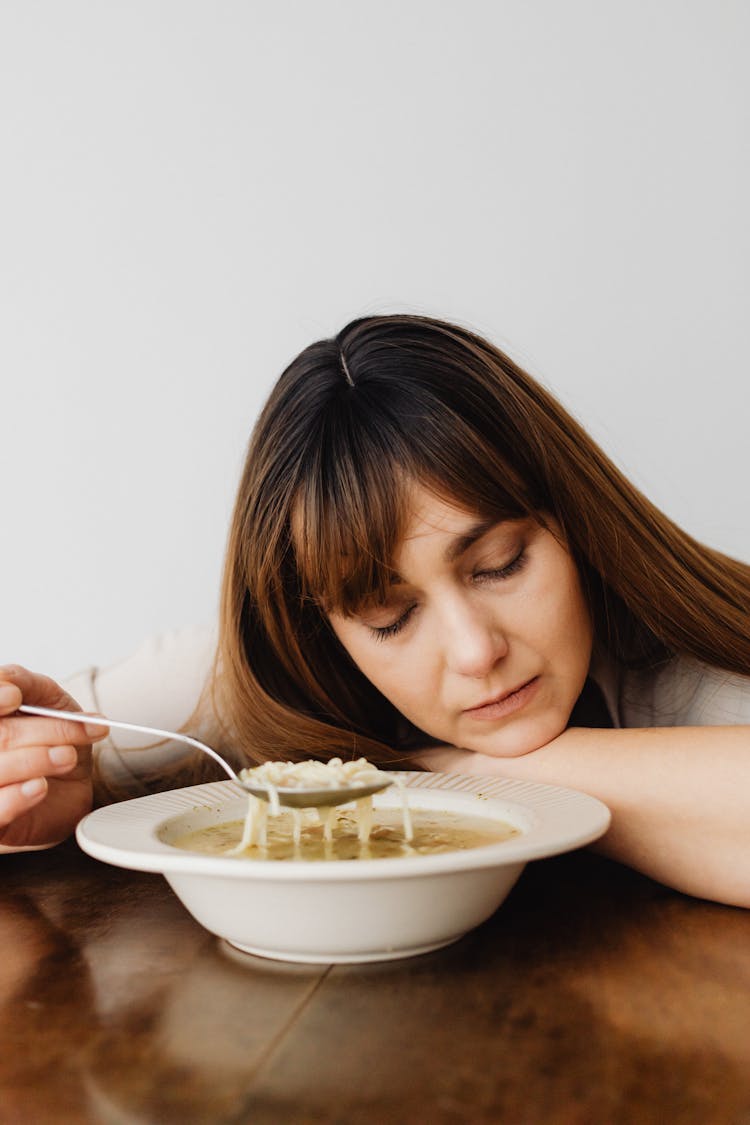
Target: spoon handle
x,y
101,721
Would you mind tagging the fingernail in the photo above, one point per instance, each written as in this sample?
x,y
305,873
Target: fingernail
x,y
34,788
62,755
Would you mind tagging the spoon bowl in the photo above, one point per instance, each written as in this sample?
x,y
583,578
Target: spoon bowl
x,y
303,797
291,796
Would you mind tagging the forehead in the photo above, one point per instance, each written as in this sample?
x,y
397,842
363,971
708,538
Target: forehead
x,y
428,514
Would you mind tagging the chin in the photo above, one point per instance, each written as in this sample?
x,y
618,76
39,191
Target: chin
x,y
522,738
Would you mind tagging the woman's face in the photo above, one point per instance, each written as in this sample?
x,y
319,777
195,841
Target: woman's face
x,y
484,639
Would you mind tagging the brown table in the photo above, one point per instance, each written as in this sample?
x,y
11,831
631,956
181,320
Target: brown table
x,y
593,996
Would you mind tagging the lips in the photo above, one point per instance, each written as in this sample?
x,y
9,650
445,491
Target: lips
x,y
505,704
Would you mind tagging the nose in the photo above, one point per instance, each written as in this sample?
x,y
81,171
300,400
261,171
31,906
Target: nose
x,y
473,642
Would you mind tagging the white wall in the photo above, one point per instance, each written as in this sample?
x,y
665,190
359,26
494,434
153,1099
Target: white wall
x,y
193,190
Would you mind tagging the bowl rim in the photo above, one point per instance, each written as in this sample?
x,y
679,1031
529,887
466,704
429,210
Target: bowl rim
x,y
556,820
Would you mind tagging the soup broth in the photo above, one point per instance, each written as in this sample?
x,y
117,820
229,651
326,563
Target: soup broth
x,y
434,831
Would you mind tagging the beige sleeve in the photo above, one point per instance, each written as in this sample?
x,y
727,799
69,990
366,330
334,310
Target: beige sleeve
x,y
686,693
160,686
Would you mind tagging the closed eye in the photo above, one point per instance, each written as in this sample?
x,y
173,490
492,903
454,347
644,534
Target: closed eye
x,y
498,574
502,572
383,632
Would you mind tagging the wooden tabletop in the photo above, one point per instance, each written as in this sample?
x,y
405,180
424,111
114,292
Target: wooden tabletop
x,y
592,997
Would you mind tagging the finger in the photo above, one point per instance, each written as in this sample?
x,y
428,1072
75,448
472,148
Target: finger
x,y
35,688
15,800
11,698
26,730
18,766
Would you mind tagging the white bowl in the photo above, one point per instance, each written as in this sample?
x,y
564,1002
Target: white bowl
x,y
362,910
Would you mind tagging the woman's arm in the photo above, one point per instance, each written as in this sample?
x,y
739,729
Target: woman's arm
x,y
679,796
158,685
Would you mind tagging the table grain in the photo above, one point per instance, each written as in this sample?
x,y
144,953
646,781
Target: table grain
x,y
592,997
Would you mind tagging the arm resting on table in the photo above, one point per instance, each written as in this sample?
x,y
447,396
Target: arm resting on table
x,y
679,796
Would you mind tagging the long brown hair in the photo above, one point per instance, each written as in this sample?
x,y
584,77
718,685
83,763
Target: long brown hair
x,y
351,423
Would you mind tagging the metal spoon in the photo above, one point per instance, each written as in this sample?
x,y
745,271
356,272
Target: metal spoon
x,y
297,796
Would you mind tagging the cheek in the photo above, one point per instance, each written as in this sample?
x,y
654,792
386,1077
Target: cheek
x,y
391,671
392,675
576,634
558,608
375,660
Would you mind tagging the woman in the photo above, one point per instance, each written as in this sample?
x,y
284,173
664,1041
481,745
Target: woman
x,y
431,562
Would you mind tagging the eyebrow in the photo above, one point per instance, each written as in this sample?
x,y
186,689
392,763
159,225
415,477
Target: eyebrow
x,y
462,543
459,545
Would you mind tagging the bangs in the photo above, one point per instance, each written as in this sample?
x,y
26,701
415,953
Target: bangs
x,y
352,512
344,543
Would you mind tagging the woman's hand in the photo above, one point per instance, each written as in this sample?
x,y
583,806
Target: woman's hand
x,y
45,764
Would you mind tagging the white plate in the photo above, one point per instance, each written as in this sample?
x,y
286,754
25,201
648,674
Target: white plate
x,y
347,911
